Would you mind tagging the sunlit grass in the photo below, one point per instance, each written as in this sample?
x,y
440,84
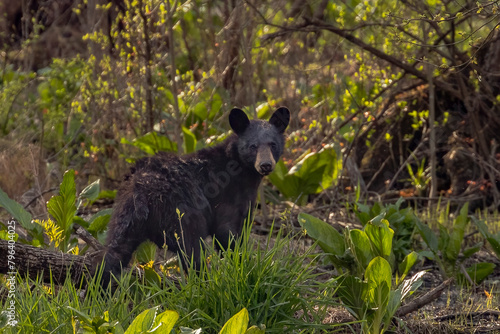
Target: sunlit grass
x,y
275,282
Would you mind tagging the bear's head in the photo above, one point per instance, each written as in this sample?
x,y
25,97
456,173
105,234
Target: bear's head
x,y
260,143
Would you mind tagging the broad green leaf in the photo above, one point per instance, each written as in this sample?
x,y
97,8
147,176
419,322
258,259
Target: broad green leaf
x,y
63,206
478,272
405,266
394,303
100,320
143,322
361,247
380,237
255,330
279,178
67,187
457,235
189,140
312,174
365,213
469,251
164,322
378,275
237,324
395,218
316,171
80,221
444,238
376,209
152,143
329,239
481,226
17,212
99,224
429,237
105,212
352,291
495,244
146,252
91,192
363,208
151,276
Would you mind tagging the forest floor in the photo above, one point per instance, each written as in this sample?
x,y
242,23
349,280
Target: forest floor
x,y
460,308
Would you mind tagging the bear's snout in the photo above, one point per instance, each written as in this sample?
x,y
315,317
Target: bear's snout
x,y
264,164
266,168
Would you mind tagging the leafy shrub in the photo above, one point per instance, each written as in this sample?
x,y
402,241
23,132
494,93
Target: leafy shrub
x,y
401,221
312,174
62,208
367,290
447,248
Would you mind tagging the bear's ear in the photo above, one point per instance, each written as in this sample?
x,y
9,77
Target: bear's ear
x,y
280,119
238,121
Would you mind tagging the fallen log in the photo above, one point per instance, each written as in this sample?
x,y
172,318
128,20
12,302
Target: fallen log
x,y
27,260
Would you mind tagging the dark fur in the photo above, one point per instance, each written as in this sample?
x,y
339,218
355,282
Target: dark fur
x,y
214,188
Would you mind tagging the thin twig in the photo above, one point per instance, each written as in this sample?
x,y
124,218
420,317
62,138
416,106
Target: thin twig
x,y
40,195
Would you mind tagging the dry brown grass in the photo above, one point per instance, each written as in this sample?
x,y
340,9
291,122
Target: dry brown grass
x,y
23,175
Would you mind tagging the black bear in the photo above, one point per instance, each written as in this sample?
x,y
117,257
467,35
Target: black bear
x,y
213,189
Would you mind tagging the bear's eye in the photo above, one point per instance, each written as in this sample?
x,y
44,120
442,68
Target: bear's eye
x,y
253,147
273,145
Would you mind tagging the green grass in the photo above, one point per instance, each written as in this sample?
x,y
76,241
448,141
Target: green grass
x,y
275,282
